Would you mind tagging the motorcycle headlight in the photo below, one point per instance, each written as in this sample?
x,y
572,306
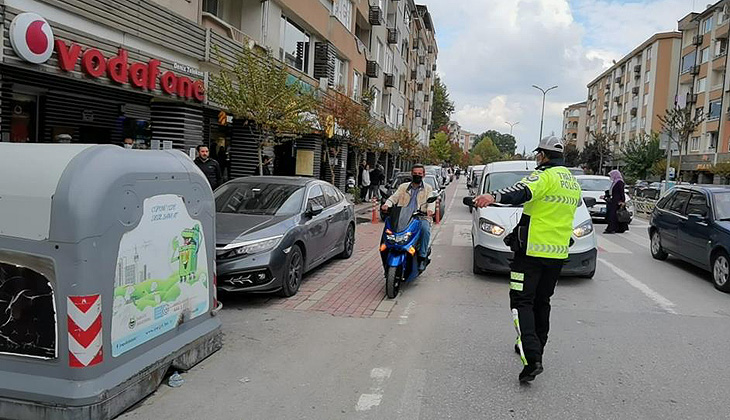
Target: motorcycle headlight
x,y
490,227
404,238
584,229
255,247
390,238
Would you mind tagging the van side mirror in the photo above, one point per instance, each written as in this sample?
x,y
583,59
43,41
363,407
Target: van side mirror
x,y
468,201
590,201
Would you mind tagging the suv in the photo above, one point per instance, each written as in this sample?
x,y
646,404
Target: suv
x,y
490,225
693,223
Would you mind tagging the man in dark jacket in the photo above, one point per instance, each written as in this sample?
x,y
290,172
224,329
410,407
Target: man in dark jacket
x,y
210,167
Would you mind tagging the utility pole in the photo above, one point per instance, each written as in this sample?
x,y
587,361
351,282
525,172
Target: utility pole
x,y
542,116
511,126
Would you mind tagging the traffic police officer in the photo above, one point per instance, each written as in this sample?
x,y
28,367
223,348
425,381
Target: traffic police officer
x,y
540,242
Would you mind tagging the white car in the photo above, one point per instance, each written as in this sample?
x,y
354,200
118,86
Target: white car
x,y
490,225
596,186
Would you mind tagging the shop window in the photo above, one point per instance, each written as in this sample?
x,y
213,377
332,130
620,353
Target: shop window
x,y
294,49
27,309
23,118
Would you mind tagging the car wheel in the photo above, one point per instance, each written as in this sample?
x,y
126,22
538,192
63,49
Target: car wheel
x,y
656,247
349,243
721,272
392,284
293,273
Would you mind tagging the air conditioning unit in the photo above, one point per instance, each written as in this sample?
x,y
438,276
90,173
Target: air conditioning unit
x,y
697,40
372,69
376,16
392,36
389,80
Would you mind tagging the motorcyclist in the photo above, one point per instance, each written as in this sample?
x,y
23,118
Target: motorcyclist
x,y
540,241
413,196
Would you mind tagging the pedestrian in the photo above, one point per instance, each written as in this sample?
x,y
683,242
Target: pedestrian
x,y
615,200
210,167
365,181
376,178
540,242
129,143
264,169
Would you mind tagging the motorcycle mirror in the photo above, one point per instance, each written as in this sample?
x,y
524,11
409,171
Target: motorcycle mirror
x,y
468,201
432,199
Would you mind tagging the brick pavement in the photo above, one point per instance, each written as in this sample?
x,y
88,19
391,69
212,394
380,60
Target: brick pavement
x,y
351,288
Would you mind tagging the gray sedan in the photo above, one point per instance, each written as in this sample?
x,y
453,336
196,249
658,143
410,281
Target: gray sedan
x,y
271,230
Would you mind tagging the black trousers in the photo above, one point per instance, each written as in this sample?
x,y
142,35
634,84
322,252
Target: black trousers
x,y
532,284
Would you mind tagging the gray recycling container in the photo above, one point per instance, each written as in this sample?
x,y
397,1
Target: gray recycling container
x,y
107,276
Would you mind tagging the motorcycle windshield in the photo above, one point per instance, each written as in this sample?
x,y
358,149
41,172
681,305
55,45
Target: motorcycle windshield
x,y
399,219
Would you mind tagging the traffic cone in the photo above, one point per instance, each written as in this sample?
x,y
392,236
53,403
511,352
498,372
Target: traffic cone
x,y
438,213
375,216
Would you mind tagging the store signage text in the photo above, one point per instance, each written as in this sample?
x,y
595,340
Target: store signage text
x,y
118,69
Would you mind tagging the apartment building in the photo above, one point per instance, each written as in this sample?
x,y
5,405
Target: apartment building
x,y
466,139
422,66
627,98
574,124
703,86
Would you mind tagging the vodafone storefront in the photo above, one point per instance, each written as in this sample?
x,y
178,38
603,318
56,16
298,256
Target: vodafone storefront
x,y
61,84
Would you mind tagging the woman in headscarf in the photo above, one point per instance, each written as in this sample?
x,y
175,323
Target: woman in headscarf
x,y
615,199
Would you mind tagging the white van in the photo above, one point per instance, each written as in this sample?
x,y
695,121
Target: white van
x,y
490,225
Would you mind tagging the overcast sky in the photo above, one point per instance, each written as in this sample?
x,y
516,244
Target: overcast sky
x,y
492,51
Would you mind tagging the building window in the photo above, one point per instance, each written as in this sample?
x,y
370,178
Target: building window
x,y
647,76
294,49
379,52
400,115
393,115
706,25
701,85
648,53
343,12
688,61
646,99
211,6
376,101
721,18
356,80
388,61
715,110
694,144
705,55
720,47
643,122
712,138
340,73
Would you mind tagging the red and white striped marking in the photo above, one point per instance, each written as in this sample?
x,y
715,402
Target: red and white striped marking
x,y
84,331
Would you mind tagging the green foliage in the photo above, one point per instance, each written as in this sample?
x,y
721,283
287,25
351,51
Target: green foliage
x,y
355,191
597,151
443,107
679,124
440,147
660,168
721,169
641,154
571,154
487,152
506,143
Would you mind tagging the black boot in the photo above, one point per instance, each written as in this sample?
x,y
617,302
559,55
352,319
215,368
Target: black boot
x,y
530,371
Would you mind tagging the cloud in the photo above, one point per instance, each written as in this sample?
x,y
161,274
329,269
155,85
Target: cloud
x,y
492,51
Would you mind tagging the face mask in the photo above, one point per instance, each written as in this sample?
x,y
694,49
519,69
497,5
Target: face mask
x,y
417,179
127,146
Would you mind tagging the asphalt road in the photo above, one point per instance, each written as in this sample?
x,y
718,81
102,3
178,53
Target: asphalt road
x,y
642,340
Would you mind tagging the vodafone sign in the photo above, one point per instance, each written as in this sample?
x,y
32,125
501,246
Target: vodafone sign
x,y
31,37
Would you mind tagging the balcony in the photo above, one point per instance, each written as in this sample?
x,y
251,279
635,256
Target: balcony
x,y
375,17
372,69
392,36
691,98
698,39
222,27
635,90
695,70
634,110
389,80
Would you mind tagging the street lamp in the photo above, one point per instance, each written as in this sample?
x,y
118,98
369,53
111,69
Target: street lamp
x,y
542,117
511,126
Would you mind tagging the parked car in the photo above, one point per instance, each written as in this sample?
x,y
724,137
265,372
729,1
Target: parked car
x,y
403,177
693,223
490,225
271,230
577,171
596,186
476,179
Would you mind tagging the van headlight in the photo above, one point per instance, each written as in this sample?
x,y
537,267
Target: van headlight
x,y
584,229
490,227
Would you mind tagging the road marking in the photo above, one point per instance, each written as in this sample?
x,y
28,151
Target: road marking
x,y
664,303
375,397
406,312
461,236
637,239
611,247
410,403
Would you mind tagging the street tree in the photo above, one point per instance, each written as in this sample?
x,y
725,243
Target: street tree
x,y
679,124
571,154
506,143
442,108
640,154
256,89
597,151
487,151
440,147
